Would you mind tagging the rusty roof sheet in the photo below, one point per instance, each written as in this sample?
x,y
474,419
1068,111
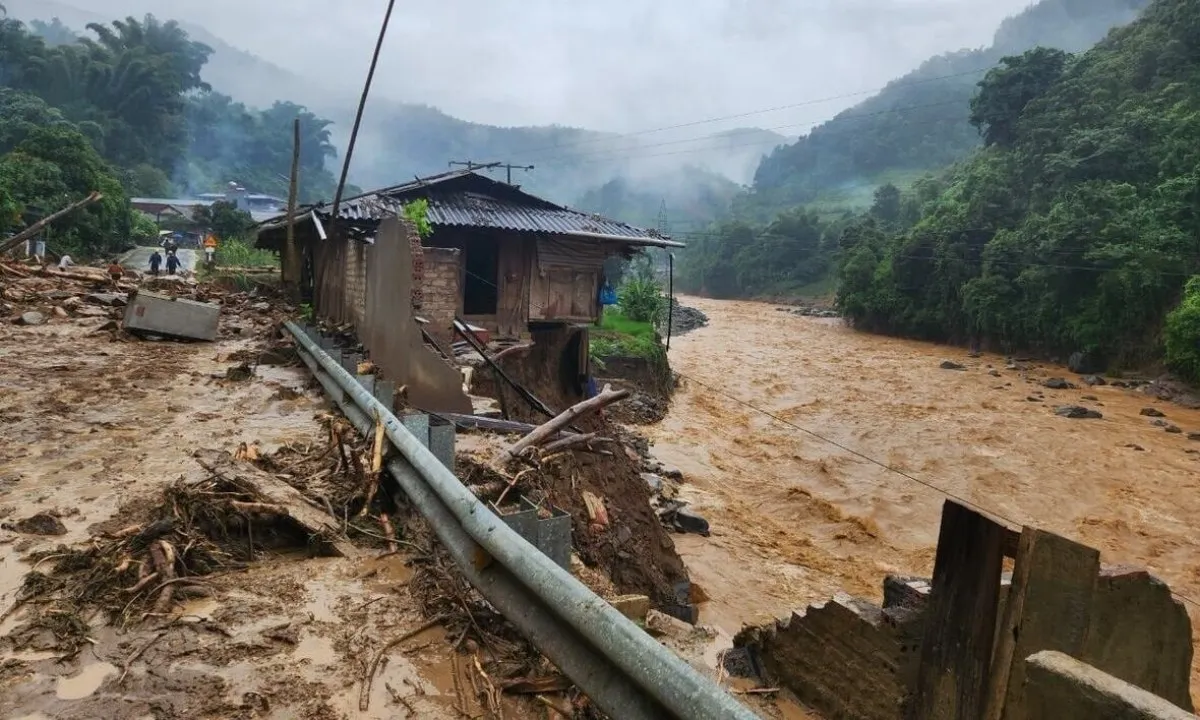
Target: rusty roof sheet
x,y
480,202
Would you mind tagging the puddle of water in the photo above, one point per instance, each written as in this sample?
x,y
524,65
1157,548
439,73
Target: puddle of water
x,y
317,649
202,608
88,681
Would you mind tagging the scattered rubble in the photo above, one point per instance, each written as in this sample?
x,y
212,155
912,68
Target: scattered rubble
x,y
811,311
1055,383
949,365
685,319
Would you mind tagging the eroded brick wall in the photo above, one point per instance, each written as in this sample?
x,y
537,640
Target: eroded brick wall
x,y
441,290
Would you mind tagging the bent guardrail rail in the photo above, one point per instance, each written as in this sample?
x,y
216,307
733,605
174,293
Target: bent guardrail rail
x,y
627,673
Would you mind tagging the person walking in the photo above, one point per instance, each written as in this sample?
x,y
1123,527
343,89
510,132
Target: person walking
x,y
115,272
172,263
155,262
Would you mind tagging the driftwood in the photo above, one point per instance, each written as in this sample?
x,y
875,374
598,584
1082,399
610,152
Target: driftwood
x,y
270,490
35,228
543,432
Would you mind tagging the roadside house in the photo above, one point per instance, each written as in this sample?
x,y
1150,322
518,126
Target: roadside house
x,y
499,257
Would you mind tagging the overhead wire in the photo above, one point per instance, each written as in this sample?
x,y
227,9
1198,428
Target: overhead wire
x,y
763,111
956,497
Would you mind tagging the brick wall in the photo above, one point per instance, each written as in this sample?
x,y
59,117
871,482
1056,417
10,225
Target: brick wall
x,y
418,265
356,281
441,290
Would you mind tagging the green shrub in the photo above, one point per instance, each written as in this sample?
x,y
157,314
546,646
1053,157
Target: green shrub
x,y
240,253
1182,334
640,298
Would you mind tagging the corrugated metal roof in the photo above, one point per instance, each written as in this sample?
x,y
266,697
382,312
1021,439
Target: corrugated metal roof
x,y
467,199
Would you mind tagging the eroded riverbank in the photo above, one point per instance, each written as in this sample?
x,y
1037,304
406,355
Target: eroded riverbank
x,y
795,517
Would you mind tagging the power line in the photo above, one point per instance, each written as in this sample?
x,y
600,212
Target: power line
x,y
806,124
845,448
763,111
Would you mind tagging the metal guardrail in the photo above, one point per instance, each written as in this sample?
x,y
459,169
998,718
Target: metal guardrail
x,y
627,673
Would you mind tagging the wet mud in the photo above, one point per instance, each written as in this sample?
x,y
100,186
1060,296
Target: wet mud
x,y
93,424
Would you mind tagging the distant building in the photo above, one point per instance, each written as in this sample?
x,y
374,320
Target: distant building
x,y
261,207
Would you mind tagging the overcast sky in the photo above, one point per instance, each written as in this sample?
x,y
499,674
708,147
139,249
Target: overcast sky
x,y
620,65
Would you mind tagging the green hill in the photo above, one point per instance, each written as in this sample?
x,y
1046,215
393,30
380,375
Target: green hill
x,y
1076,228
919,122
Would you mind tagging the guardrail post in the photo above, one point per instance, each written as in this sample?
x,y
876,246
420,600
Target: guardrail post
x,y
441,440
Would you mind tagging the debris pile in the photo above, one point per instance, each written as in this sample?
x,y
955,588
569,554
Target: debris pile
x,y
811,311
684,319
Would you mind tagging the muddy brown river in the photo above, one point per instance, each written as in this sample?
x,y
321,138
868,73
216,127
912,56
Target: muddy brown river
x,y
795,517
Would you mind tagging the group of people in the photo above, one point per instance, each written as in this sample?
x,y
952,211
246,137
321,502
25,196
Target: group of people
x,y
156,261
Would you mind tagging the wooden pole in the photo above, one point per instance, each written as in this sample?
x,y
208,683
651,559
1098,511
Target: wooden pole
x,y
291,261
362,104
33,229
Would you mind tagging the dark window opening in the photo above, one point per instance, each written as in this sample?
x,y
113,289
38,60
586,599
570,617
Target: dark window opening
x,y
480,286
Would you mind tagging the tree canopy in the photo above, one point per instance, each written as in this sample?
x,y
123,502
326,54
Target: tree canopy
x,y
123,108
1077,227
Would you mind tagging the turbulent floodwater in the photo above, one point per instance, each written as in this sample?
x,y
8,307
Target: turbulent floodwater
x,y
796,518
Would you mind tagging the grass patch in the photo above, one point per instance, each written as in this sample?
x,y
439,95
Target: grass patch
x,y
239,253
619,335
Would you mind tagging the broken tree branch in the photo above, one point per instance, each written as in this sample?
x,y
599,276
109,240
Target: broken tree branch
x,y
35,228
364,695
607,397
575,441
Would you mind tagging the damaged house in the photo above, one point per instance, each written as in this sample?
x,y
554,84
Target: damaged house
x,y
498,257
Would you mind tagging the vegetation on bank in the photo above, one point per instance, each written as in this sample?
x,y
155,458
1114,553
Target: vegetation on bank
x,y
1073,228
1077,227
629,328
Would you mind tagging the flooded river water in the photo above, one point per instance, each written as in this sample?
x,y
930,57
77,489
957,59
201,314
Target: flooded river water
x,y
776,413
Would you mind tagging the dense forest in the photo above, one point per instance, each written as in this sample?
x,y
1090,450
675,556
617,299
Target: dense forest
x,y
124,110
914,128
1076,227
919,122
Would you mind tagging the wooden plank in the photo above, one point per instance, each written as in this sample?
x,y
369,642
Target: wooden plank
x,y
1048,608
269,489
500,426
960,624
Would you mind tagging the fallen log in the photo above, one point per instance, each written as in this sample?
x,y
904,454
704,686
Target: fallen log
x,y
35,228
575,441
542,433
270,490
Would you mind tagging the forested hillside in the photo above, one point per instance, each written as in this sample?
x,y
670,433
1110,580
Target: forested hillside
x,y
124,109
686,198
920,121
900,138
1078,225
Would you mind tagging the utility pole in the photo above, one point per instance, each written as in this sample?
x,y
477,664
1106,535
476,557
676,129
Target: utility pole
x,y
291,260
508,167
664,227
362,104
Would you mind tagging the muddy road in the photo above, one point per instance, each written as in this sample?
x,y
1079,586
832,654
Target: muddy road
x,y
93,425
795,517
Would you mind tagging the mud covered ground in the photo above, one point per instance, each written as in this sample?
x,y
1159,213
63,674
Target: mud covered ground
x,y
97,423
795,518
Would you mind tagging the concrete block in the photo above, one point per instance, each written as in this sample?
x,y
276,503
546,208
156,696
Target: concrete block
x,y
385,392
350,361
418,425
1059,687
165,316
441,441
633,607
